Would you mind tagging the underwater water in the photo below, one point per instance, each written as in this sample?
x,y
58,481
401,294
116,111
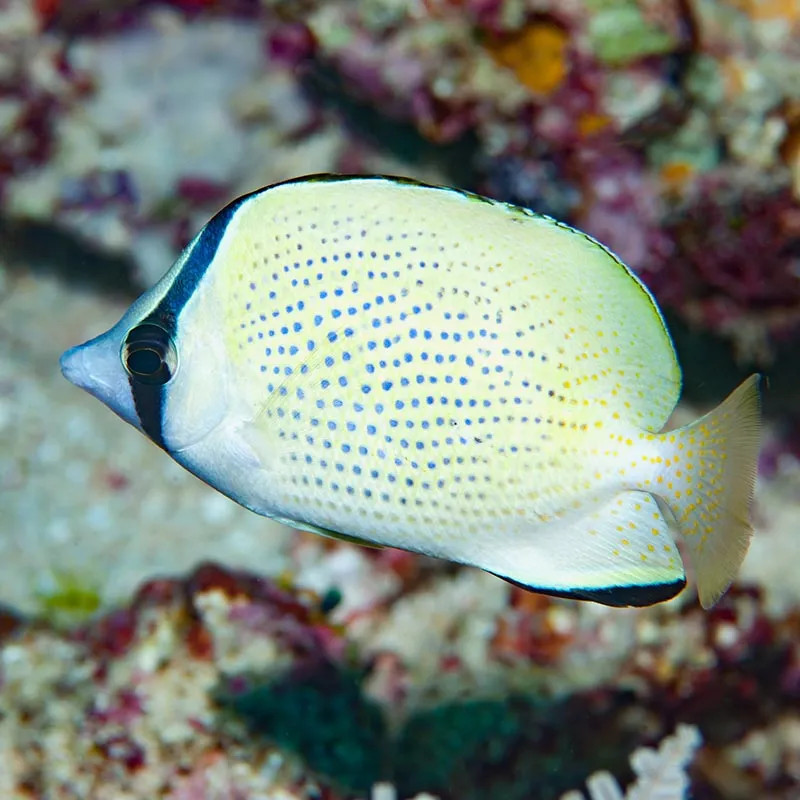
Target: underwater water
x,y
159,640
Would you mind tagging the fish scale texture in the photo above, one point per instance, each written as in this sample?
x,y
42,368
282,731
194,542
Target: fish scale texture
x,y
427,362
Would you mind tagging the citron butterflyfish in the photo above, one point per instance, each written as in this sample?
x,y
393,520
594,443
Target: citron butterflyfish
x,y
412,366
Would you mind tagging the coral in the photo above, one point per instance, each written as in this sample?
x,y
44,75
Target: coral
x,y
537,55
711,272
623,117
224,678
660,774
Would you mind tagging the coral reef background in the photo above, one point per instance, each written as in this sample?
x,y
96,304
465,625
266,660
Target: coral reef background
x,y
668,129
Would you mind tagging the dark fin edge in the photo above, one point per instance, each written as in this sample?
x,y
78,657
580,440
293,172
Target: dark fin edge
x,y
616,596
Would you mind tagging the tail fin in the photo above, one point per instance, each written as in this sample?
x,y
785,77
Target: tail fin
x,y
708,483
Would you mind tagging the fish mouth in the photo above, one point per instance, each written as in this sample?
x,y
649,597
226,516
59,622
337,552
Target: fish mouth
x,y
73,365
91,366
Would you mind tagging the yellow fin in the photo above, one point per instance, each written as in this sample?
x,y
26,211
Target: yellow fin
x,y
709,487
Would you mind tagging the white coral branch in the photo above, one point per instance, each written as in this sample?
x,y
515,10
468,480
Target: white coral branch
x,y
660,774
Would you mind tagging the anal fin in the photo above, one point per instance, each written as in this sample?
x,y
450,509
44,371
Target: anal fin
x,y
326,532
620,554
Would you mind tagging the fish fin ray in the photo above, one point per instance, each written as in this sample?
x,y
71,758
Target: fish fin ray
x,y
620,554
712,476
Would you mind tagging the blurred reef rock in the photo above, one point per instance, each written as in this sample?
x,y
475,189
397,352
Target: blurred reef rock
x,y
225,684
668,129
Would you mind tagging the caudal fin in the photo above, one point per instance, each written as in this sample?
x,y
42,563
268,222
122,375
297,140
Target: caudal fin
x,y
708,483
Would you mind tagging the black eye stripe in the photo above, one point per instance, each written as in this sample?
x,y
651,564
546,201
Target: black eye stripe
x,y
150,359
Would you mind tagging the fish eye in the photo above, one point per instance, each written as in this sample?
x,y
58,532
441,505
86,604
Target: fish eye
x,y
149,354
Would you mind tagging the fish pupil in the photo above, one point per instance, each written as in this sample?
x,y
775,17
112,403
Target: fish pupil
x,y
149,354
144,362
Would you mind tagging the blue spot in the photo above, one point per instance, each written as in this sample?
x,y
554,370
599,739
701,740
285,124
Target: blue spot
x,y
351,426
310,344
332,337
317,320
470,361
371,429
328,361
386,385
336,313
342,380
366,388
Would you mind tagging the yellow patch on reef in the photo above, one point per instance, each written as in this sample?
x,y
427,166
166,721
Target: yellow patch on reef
x,y
786,10
537,55
590,123
676,174
71,598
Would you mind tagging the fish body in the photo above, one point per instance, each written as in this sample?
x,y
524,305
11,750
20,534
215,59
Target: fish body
x,y
423,368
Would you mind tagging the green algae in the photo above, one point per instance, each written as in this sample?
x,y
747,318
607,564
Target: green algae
x,y
620,33
503,747
71,598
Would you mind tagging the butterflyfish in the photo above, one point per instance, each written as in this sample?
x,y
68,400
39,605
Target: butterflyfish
x,y
413,366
